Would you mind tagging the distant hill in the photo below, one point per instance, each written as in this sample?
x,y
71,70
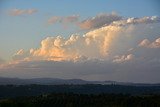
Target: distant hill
x,y
13,87
42,81
56,81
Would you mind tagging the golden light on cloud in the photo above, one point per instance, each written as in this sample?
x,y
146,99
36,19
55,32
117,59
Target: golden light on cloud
x,y
99,43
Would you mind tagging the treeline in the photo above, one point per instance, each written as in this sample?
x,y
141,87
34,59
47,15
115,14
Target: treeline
x,y
83,100
8,91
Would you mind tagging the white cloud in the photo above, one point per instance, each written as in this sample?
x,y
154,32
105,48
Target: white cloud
x,y
18,12
146,43
123,58
143,20
156,43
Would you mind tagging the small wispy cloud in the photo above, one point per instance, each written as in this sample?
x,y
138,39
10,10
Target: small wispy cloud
x,y
18,12
123,58
63,20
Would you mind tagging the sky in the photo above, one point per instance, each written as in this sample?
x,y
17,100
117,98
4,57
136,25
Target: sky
x,y
91,40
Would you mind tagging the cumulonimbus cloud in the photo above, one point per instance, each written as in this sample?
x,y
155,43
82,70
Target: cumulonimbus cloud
x,y
100,54
18,12
94,44
99,43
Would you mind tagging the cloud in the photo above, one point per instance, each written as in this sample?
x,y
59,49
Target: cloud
x,y
18,12
63,20
20,55
102,43
99,21
131,71
53,20
146,43
110,52
102,20
146,20
94,44
156,43
143,20
123,58
70,19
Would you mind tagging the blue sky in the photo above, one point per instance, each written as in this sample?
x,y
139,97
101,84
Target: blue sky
x,y
18,32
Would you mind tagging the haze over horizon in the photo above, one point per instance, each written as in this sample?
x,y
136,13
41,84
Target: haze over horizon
x,y
90,40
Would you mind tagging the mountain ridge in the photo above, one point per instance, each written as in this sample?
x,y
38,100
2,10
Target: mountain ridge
x,y
58,81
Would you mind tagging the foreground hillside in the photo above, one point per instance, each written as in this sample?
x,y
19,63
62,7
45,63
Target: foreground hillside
x,y
8,91
86,95
83,100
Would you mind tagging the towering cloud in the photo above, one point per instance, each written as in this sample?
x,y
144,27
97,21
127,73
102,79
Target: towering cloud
x,y
120,49
102,43
94,44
